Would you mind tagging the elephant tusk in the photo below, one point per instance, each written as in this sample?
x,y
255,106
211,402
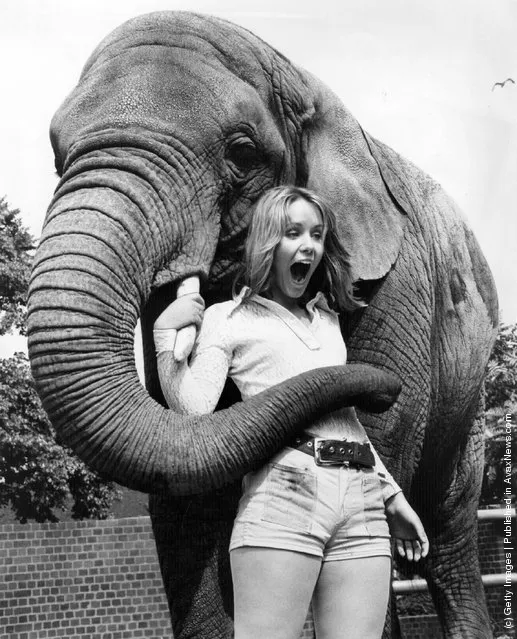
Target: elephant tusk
x,y
186,336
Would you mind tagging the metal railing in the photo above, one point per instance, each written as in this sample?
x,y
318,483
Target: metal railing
x,y
495,513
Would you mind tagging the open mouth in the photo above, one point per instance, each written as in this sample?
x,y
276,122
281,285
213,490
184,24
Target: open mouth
x,y
299,271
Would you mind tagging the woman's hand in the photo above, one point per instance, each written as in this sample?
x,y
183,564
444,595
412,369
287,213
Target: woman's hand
x,y
183,311
406,528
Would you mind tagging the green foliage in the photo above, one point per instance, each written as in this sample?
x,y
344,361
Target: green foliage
x,y
37,474
16,245
500,401
501,379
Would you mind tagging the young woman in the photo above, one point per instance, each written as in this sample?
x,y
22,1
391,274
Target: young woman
x,y
313,523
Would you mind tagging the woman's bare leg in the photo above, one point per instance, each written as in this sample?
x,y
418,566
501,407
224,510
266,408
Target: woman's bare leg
x,y
272,591
351,598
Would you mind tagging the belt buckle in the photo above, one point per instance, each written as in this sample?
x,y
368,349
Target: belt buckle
x,y
318,441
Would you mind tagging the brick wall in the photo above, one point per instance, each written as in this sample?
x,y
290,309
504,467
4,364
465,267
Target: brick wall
x,y
421,627
94,579
491,547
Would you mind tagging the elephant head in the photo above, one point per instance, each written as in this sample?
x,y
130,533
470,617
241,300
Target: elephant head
x,y
177,125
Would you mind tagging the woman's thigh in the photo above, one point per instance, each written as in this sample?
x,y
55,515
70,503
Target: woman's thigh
x,y
272,591
351,598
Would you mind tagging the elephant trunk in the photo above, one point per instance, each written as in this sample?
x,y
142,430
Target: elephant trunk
x,y
93,273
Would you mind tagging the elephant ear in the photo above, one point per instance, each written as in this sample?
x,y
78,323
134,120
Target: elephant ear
x,y
341,167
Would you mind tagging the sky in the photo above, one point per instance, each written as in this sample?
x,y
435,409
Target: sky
x,y
418,75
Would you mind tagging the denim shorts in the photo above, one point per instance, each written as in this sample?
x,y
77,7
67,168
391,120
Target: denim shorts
x,y
333,512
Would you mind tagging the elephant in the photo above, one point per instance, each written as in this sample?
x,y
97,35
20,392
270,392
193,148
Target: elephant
x,y
178,123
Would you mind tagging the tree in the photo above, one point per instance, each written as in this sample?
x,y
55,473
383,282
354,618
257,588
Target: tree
x,y
500,400
16,246
501,380
38,475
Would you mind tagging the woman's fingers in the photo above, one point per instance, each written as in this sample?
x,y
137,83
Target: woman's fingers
x,y
409,549
425,546
183,311
198,308
196,297
417,551
422,537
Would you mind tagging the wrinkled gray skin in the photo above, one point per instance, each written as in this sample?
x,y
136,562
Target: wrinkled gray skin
x,y
178,123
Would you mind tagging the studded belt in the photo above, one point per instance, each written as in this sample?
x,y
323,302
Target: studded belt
x,y
335,452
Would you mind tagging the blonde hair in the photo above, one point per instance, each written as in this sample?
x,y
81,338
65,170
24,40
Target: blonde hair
x,y
268,224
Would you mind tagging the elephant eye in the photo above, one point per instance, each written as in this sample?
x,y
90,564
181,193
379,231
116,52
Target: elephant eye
x,y
243,154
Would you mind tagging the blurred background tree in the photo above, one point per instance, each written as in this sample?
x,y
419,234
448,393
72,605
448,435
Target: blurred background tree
x,y
38,475
16,246
500,400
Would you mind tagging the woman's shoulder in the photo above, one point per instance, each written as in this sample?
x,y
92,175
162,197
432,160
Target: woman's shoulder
x,y
217,327
225,323
220,310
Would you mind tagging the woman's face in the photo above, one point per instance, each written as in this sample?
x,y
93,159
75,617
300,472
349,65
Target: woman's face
x,y
298,254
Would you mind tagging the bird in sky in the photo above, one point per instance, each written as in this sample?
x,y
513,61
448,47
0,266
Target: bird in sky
x,y
501,84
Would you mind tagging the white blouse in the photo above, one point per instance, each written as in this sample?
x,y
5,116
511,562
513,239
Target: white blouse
x,y
258,344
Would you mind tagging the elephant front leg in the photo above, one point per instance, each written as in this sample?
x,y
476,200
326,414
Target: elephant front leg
x,y
453,569
192,538
455,583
